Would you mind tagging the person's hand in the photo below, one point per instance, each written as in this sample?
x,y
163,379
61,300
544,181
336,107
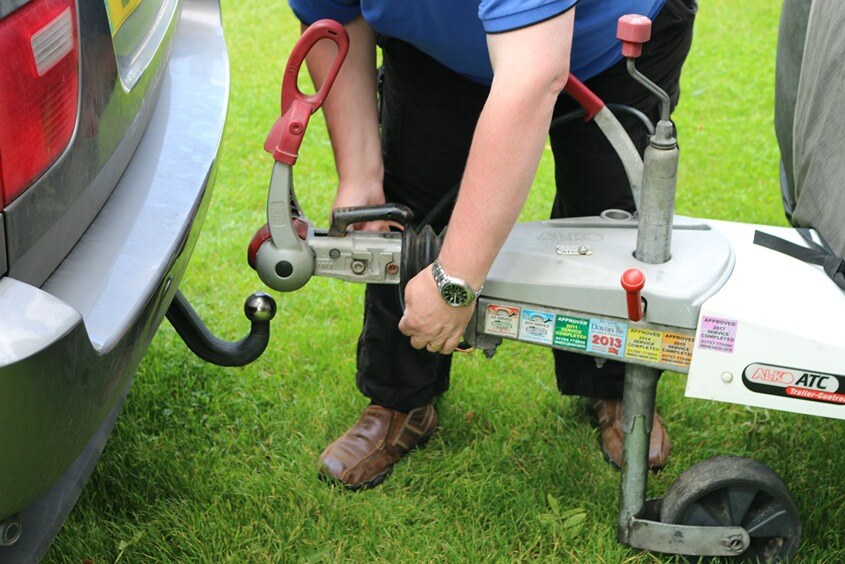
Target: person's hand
x,y
371,194
428,320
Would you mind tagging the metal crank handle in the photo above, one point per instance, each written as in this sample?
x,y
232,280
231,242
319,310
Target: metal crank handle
x,y
660,162
618,137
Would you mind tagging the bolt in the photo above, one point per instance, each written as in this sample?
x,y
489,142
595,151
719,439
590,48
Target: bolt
x,y
358,266
392,268
10,532
727,377
334,253
734,543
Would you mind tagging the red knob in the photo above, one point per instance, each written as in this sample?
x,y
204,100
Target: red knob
x,y
633,281
633,30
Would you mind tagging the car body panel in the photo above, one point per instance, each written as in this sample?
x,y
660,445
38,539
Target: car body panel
x,y
9,6
41,519
44,223
3,265
138,38
143,225
112,291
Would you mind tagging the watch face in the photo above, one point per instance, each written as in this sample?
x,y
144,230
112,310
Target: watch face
x,y
455,294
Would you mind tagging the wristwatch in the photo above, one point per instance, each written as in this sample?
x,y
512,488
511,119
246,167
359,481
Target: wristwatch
x,y
454,291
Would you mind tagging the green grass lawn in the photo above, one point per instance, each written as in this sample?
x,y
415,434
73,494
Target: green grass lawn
x,y
213,464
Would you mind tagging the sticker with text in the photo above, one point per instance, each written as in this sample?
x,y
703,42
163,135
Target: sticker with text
x,y
571,332
607,337
502,320
717,334
537,326
644,344
676,349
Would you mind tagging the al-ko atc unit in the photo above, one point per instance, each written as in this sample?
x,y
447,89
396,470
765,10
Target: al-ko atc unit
x,y
652,289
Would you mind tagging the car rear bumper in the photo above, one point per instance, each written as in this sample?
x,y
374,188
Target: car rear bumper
x,y
69,349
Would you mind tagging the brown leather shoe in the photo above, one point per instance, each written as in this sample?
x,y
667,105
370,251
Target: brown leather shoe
x,y
609,415
364,456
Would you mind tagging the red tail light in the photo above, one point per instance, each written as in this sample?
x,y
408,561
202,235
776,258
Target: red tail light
x,y
39,91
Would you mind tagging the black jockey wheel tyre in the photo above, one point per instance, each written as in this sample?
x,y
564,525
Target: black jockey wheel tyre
x,y
730,491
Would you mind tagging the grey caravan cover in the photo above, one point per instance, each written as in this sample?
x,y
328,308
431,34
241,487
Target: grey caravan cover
x,y
810,116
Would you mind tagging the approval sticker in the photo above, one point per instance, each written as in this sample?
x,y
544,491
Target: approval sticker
x,y
676,349
717,334
571,332
502,320
644,344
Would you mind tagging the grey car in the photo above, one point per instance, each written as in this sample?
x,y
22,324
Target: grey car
x,y
111,116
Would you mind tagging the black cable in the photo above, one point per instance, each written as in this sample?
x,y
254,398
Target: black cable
x,y
615,108
566,118
644,119
448,200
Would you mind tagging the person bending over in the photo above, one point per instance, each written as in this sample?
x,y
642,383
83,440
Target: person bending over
x,y
469,91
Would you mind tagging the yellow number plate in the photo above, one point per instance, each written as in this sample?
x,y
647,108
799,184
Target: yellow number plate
x,y
118,11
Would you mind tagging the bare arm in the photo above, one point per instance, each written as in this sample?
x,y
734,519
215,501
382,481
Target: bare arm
x,y
531,66
352,116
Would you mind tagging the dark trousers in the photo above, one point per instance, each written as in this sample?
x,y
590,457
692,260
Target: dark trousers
x,y
428,117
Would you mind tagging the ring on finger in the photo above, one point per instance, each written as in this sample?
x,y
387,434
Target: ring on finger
x,y
430,347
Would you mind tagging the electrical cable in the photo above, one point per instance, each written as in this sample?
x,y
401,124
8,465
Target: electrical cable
x,y
448,200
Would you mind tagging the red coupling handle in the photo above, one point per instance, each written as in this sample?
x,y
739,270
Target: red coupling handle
x,y
322,29
633,30
633,281
585,97
286,136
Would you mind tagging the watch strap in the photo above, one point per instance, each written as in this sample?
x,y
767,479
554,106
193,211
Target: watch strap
x,y
441,278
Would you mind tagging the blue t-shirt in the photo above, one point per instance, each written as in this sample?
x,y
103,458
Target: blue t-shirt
x,y
453,32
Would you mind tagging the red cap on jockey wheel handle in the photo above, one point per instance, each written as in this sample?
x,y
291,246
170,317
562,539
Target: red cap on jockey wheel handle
x,y
633,30
633,281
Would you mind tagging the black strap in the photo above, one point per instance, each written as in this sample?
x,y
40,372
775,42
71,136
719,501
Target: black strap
x,y
819,255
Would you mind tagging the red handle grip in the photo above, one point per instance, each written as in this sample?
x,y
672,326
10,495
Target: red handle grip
x,y
633,30
585,97
633,281
322,29
286,135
